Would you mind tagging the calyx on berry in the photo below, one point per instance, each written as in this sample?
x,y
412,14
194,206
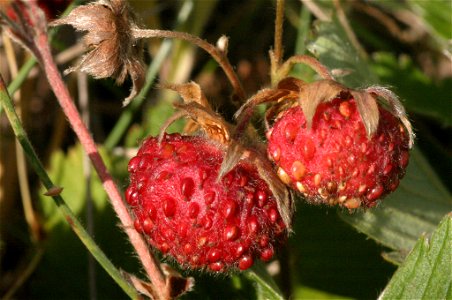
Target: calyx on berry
x,y
199,211
332,144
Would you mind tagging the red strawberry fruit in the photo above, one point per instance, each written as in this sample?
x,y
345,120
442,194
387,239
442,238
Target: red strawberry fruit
x,y
333,159
199,220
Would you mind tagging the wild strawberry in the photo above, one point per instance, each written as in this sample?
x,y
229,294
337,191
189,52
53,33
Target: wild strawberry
x,y
332,144
335,161
350,151
201,221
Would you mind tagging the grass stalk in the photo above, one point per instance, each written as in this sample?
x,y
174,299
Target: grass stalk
x,y
76,226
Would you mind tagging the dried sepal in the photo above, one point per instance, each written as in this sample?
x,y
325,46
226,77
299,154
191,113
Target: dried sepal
x,y
262,96
311,95
212,123
286,90
176,284
143,287
275,110
291,84
307,60
279,190
395,107
113,51
174,117
245,112
233,155
236,152
368,110
190,92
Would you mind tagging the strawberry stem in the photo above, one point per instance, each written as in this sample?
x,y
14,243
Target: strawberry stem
x,y
310,61
218,54
62,94
36,39
279,21
76,226
277,53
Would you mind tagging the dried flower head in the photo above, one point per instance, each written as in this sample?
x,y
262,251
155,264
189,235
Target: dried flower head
x,y
113,52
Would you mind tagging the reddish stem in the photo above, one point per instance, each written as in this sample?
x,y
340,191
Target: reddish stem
x,y
61,92
218,54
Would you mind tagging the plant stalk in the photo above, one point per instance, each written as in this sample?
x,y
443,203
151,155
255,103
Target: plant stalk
x,y
277,53
61,92
279,24
76,226
217,54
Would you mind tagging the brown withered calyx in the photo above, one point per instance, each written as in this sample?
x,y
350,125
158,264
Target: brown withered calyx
x,y
113,51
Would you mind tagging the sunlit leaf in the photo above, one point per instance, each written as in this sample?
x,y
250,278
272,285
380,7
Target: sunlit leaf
x,y
421,94
427,271
436,14
303,292
420,202
332,47
266,288
415,208
64,267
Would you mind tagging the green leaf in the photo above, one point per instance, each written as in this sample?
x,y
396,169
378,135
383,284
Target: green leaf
x,y
232,287
428,98
64,267
427,271
333,48
415,208
266,288
421,200
303,292
436,14
157,116
327,254
67,171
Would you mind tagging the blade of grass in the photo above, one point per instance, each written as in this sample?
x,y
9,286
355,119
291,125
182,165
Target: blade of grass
x,y
29,213
21,76
37,41
76,226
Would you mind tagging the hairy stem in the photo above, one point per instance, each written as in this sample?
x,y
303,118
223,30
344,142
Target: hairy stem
x,y
30,215
83,99
76,226
279,23
217,54
60,90
306,60
277,54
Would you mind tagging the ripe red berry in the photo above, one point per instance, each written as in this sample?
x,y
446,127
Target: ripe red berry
x,y
202,222
335,161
